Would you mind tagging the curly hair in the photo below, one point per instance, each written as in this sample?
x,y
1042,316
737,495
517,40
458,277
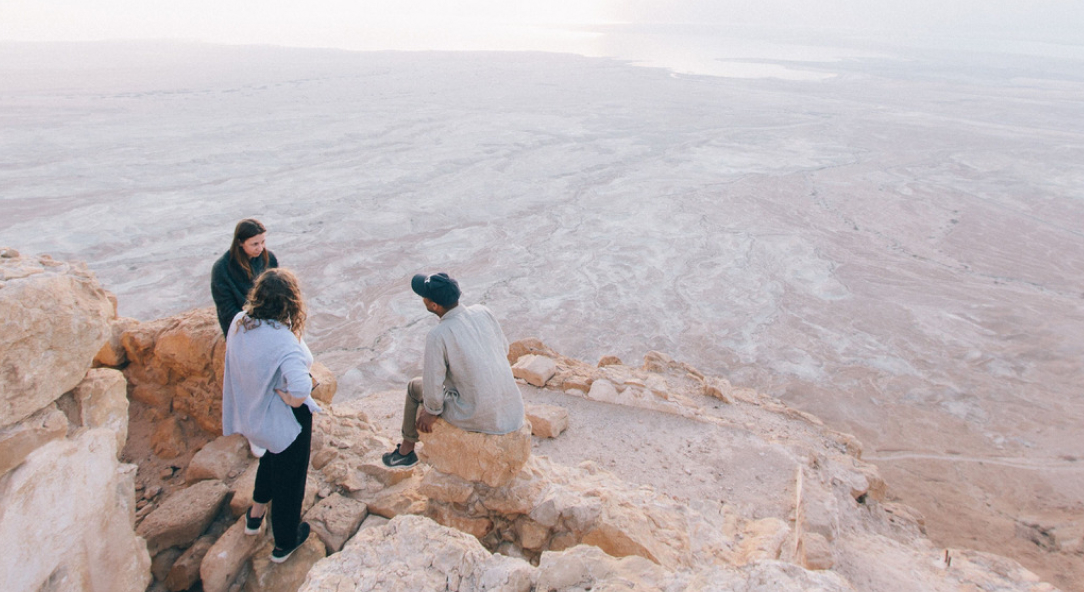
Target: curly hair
x,y
276,297
246,229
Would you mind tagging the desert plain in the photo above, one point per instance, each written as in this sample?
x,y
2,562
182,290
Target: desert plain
x,y
893,244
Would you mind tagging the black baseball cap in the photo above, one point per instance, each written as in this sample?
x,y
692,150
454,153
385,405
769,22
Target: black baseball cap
x,y
437,287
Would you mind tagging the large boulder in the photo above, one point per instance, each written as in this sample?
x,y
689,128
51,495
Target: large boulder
x,y
268,576
54,317
412,553
103,402
176,366
66,515
184,572
183,516
112,353
534,369
587,568
20,439
490,459
226,559
218,459
335,519
547,421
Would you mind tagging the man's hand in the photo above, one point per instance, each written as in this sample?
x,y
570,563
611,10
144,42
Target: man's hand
x,y
426,421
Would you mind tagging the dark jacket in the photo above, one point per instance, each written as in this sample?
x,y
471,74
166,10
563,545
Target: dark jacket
x,y
230,285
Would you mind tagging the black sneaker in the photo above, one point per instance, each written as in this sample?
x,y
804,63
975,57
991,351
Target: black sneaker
x,y
278,555
395,460
252,525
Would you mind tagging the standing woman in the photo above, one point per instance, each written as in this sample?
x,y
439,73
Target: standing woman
x,y
234,272
267,397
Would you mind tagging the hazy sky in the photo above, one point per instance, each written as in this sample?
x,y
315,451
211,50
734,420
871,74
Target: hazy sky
x,y
514,24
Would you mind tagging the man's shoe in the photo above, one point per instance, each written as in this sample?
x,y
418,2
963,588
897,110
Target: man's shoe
x,y
278,555
252,525
394,460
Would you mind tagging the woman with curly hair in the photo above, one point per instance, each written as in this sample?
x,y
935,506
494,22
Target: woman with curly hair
x,y
234,272
267,397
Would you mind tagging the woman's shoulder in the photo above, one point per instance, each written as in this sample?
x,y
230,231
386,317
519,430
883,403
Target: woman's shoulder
x,y
272,261
269,329
221,263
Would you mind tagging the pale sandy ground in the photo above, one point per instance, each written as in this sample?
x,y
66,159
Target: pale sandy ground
x,y
896,248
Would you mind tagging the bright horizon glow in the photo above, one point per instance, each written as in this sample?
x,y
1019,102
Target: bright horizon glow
x,y
557,25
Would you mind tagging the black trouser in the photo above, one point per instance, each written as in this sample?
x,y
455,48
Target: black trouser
x,y
281,478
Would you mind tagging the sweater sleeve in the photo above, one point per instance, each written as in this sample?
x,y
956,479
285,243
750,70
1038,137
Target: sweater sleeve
x,y
295,373
222,291
434,373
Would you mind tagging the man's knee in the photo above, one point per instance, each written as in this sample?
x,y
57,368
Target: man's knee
x,y
414,390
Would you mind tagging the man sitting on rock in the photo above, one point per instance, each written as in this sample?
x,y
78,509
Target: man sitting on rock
x,y
466,379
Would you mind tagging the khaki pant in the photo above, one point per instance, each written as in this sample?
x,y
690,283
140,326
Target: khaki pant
x,y
410,410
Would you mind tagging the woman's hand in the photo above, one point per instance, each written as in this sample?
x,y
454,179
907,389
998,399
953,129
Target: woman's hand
x,y
289,400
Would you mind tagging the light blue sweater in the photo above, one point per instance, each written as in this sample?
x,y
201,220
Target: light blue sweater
x,y
258,361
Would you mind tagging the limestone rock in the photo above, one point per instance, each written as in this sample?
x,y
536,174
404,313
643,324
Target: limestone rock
x,y
187,347
373,521
138,341
267,576
403,498
327,384
160,397
163,563
603,390
816,552
547,421
242,488
20,439
226,558
56,317
621,530
185,570
535,369
412,553
168,440
335,519
532,535
588,568
103,402
176,365
657,361
218,458
446,487
346,450
762,540
112,354
476,526
491,459
183,516
609,361
66,513
200,399
530,345
385,475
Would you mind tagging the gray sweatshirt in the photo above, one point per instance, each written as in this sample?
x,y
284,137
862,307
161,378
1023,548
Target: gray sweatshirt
x,y
467,379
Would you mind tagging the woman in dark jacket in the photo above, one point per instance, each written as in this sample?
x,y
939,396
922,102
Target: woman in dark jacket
x,y
235,271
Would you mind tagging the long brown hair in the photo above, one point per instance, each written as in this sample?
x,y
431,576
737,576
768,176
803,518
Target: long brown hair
x,y
276,296
246,229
